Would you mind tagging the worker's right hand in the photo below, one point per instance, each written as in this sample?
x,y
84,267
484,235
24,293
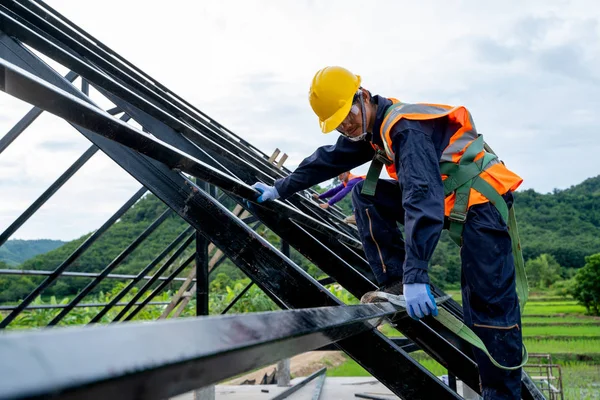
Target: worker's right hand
x,y
267,192
419,300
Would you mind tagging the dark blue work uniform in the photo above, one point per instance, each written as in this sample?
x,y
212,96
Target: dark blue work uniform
x,y
416,200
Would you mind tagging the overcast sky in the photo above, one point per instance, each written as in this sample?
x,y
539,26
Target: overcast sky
x,y
528,71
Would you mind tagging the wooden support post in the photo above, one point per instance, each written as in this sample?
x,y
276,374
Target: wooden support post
x,y
274,155
282,160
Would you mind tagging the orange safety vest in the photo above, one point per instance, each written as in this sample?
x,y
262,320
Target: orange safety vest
x,y
495,173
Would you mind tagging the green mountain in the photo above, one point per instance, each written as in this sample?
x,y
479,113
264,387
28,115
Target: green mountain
x,y
565,224
14,252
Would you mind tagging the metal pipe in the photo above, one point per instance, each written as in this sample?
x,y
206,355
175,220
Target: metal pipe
x,y
53,306
79,274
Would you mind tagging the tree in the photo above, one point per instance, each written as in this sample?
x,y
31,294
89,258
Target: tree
x,y
542,271
587,285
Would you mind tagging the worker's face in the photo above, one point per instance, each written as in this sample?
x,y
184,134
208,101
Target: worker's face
x,y
352,125
343,176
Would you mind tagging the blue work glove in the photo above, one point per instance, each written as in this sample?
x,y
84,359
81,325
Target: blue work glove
x,y
268,192
419,301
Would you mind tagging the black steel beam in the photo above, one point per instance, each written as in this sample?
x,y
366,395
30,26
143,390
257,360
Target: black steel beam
x,y
27,120
142,273
288,392
405,344
202,259
145,362
159,272
160,287
113,264
71,259
278,277
17,20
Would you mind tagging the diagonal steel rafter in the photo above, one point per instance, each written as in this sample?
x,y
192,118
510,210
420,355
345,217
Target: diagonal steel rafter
x,y
17,25
142,274
27,120
72,258
113,264
45,22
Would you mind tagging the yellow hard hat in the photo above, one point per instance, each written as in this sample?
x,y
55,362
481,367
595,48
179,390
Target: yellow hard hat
x,y
331,93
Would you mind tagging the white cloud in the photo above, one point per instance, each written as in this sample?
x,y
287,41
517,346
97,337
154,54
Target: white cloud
x,y
528,71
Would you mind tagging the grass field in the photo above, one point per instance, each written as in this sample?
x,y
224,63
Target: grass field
x,y
558,327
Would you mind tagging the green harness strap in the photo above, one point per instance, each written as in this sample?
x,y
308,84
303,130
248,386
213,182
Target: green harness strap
x,y
464,332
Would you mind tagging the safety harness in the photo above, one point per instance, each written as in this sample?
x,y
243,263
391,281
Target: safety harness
x,y
461,177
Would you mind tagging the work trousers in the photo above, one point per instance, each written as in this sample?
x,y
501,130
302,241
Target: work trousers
x,y
490,302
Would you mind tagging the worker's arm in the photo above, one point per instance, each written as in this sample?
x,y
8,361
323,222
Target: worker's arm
x,y
342,193
333,191
325,163
417,164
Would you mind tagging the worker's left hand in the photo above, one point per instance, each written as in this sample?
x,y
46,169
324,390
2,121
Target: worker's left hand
x,y
267,192
419,300
324,205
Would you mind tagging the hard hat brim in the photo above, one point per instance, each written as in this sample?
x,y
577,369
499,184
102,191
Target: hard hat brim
x,y
336,119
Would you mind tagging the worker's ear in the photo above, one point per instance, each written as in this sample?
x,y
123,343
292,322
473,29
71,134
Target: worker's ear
x,y
366,95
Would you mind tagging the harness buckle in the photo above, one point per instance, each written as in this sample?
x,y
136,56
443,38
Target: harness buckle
x,y
457,216
382,157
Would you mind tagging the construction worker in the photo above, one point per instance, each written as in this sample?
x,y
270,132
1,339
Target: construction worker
x,y
338,192
441,178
